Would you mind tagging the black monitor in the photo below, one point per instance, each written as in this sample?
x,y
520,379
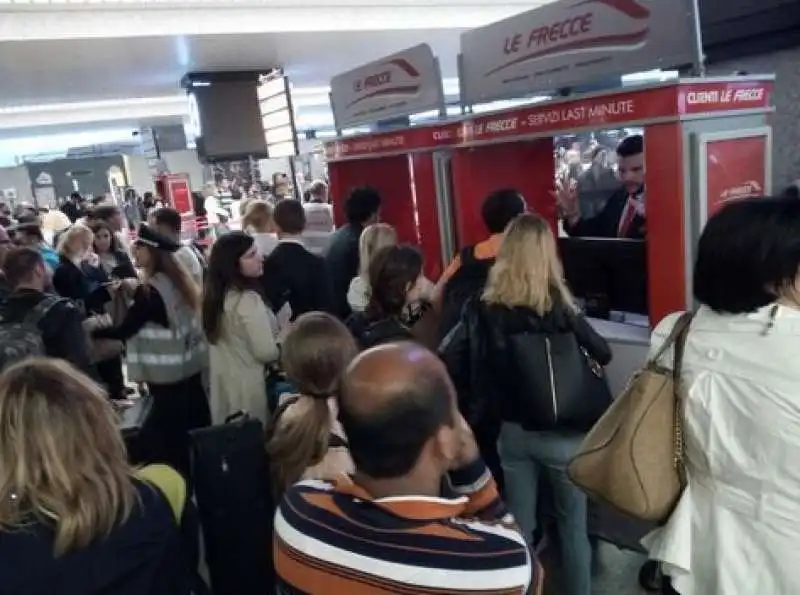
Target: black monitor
x,y
606,274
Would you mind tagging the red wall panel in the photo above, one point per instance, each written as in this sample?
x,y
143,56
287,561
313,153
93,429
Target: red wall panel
x,y
403,191
666,244
524,166
391,177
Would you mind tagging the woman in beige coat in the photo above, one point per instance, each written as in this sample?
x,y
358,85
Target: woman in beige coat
x,y
240,328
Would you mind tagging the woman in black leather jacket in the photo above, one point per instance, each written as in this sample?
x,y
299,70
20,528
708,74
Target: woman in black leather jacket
x,y
528,369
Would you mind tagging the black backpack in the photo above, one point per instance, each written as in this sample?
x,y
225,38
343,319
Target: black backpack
x,y
22,339
466,283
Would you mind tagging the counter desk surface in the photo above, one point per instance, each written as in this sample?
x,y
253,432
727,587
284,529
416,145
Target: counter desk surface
x,y
630,344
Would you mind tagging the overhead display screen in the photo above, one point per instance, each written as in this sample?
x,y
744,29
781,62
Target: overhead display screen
x,y
227,120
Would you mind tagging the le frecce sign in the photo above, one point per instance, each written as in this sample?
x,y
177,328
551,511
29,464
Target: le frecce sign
x,y
573,42
399,85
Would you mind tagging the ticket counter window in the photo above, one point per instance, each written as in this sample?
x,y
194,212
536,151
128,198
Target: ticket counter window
x,y
600,181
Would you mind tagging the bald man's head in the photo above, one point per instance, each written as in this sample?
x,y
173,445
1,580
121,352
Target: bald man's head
x,y
394,400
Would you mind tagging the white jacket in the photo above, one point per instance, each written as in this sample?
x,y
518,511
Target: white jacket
x,y
736,530
247,343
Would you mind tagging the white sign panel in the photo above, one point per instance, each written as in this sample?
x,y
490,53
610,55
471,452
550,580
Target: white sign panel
x,y
573,42
399,85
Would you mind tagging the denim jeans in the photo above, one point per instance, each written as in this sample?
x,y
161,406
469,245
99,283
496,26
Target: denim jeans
x,y
525,456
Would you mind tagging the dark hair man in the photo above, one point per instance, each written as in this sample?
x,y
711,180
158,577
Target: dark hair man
x,y
291,272
390,530
469,269
168,223
59,320
792,191
73,207
361,209
624,213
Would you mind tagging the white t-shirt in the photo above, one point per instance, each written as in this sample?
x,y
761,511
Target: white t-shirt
x,y
214,210
265,242
319,217
187,257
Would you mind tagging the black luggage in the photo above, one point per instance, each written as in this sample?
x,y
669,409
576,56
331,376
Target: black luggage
x,y
234,498
133,423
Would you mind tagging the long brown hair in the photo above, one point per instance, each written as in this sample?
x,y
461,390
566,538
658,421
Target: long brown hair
x,y
223,276
528,271
166,263
314,355
62,459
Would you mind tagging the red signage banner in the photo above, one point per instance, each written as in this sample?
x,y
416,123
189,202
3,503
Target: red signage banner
x,y
636,106
723,96
735,168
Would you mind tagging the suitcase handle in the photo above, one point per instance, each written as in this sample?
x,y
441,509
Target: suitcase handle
x,y
237,416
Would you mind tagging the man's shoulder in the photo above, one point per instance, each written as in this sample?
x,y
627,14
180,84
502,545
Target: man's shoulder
x,y
342,518
298,494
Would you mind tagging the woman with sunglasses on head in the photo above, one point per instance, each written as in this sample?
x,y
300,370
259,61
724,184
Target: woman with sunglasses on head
x,y
166,348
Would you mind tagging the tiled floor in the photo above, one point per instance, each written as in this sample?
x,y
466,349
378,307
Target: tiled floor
x,y
616,573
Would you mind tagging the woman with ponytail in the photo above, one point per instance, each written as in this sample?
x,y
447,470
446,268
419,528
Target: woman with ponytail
x,y
306,440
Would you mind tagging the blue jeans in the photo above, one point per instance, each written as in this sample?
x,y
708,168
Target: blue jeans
x,y
524,456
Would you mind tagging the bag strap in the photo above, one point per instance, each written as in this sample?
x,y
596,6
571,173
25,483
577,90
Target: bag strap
x,y
468,255
679,337
680,327
41,309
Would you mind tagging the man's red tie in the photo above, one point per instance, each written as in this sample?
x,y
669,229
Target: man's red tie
x,y
628,215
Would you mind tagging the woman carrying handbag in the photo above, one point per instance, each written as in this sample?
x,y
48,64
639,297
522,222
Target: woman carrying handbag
x,y
529,372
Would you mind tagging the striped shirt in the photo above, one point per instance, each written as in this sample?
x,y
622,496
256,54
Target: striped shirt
x,y
336,538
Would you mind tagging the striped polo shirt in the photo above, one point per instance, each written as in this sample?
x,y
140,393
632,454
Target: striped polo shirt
x,y
334,538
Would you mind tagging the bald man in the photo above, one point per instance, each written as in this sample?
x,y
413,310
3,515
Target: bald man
x,y
387,529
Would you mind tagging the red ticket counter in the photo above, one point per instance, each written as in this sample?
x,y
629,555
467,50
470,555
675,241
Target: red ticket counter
x,y
695,158
407,188
176,191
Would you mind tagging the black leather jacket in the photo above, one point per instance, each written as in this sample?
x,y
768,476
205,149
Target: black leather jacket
x,y
491,358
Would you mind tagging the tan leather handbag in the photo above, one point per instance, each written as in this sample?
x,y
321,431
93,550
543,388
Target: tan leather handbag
x,y
632,459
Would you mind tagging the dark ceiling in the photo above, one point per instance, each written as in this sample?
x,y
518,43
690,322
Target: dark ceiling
x,y
736,28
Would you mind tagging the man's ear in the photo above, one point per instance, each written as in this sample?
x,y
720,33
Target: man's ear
x,y
447,445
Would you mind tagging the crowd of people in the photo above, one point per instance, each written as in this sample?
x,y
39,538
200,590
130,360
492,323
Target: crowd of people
x,y
409,426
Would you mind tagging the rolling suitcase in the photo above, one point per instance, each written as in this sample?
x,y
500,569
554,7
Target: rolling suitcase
x,y
235,504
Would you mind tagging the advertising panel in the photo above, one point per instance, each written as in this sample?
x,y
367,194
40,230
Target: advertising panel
x,y
180,194
571,42
734,165
399,85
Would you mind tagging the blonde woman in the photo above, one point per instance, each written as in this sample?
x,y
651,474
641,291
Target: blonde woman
x,y
165,346
372,240
516,358
78,274
257,222
74,517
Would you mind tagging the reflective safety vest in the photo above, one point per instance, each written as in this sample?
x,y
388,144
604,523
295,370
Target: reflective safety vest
x,y
161,355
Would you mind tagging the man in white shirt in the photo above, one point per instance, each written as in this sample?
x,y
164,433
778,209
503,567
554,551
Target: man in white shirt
x,y
217,216
167,222
319,218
